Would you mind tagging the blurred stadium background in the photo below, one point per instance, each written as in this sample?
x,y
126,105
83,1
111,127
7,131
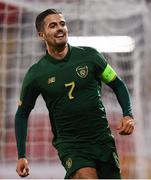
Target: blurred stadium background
x,y
20,47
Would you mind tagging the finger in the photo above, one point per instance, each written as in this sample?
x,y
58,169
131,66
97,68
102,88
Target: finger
x,y
19,171
26,169
122,127
130,131
119,126
126,126
21,174
129,127
24,173
124,133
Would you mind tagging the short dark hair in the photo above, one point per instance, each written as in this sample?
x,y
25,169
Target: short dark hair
x,y
40,18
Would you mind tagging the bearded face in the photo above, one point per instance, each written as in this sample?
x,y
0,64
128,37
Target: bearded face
x,y
55,33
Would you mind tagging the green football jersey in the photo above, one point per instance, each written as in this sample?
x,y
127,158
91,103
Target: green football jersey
x,y
71,89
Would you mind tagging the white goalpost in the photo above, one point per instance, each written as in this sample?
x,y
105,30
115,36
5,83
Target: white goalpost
x,y
117,30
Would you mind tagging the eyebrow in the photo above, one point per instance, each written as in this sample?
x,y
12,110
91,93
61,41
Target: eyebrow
x,y
54,22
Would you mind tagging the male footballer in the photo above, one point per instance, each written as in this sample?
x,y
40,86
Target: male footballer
x,y
69,79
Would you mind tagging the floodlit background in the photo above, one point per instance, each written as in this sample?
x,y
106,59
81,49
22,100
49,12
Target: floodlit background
x,y
20,47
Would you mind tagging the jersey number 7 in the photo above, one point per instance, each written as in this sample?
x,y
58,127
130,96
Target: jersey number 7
x,y
71,86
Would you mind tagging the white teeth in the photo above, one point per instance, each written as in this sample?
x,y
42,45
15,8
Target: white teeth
x,y
60,35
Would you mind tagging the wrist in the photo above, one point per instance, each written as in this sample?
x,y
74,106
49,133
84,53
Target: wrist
x,y
129,115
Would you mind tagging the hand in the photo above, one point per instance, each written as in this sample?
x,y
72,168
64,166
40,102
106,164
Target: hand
x,y
126,126
22,167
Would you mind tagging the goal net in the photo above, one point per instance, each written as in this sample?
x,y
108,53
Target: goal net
x,y
20,47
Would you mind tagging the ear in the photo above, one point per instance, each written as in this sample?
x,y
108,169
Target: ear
x,y
41,35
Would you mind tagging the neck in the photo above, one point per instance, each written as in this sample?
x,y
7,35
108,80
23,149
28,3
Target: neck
x,y
58,53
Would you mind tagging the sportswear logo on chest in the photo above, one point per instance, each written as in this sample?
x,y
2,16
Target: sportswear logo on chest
x,y
19,103
69,163
82,71
51,80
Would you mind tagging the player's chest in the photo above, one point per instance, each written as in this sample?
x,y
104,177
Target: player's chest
x,y
62,76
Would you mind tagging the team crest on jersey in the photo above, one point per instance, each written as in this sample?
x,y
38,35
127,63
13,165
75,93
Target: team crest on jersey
x,y
82,71
69,163
51,80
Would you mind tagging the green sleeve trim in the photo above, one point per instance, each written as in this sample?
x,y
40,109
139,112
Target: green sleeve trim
x,y
108,74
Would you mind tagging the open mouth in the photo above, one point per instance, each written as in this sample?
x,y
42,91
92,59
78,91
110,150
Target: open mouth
x,y
60,35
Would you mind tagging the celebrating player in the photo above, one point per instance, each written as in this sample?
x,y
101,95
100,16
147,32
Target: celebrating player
x,y
69,79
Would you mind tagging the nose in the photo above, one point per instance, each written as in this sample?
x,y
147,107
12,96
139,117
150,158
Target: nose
x,y
59,27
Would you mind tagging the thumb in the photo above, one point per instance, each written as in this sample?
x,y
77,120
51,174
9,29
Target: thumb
x,y
119,126
26,168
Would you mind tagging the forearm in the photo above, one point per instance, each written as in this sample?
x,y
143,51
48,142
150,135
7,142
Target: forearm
x,y
21,121
122,95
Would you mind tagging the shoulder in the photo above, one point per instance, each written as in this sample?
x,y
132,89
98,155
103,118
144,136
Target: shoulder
x,y
89,53
36,67
34,70
85,49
